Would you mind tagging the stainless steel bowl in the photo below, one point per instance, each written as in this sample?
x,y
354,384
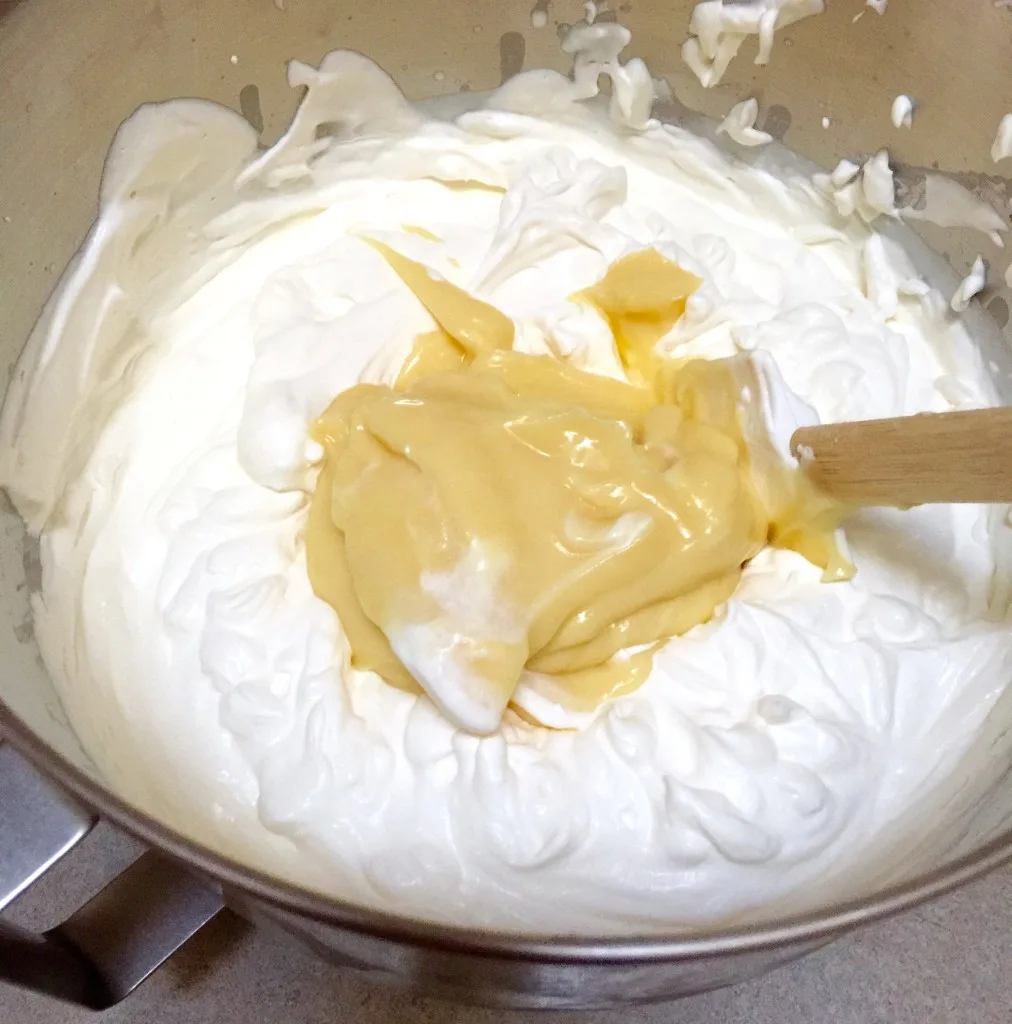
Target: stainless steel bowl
x,y
70,72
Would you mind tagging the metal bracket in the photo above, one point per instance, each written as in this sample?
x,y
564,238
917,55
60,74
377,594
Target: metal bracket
x,y
116,940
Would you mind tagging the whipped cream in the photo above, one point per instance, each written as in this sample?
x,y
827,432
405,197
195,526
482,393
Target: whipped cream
x,y
740,124
951,205
971,285
717,31
902,112
867,189
156,438
1001,148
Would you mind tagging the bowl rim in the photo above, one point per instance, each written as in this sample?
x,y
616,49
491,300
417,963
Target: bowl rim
x,y
823,924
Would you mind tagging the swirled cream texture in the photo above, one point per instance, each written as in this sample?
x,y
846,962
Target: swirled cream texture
x,y
157,439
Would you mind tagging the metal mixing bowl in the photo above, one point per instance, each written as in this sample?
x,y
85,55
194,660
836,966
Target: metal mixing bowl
x,y
70,72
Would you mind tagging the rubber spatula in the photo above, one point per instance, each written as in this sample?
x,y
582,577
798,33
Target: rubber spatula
x,y
912,460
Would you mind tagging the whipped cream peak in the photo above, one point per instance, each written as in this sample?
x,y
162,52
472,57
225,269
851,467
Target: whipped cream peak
x,y
902,112
346,93
866,190
739,124
971,285
1001,148
718,29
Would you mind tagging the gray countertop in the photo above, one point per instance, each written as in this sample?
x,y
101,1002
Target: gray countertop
x,y
950,962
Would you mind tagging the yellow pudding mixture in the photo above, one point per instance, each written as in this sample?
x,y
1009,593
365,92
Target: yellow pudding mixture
x,y
497,517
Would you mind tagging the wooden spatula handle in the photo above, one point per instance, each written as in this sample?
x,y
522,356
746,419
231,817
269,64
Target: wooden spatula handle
x,y
912,460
